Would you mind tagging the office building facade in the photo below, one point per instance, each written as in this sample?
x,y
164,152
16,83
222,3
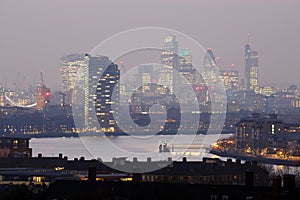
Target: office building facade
x,y
169,61
251,68
101,92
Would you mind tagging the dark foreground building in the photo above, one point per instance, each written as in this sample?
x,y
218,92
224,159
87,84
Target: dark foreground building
x,y
92,179
64,189
14,147
209,171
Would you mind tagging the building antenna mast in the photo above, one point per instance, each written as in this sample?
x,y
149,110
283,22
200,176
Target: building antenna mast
x,y
42,78
248,38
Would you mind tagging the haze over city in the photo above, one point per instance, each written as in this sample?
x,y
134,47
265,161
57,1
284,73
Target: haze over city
x,y
36,34
160,99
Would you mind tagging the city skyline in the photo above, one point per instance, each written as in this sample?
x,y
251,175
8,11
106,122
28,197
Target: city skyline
x,y
232,80
223,26
259,121
168,99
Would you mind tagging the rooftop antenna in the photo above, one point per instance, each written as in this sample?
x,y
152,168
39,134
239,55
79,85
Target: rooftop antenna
x,y
42,79
248,41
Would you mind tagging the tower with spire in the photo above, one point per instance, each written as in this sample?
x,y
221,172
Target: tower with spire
x,y
251,68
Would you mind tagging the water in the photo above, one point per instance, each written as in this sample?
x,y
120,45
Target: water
x,y
123,146
51,147
76,148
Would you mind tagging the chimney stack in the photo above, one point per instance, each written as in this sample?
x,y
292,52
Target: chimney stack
x,y
276,185
289,182
92,174
249,178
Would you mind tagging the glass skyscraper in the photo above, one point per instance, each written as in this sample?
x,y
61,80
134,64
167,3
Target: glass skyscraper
x,y
251,69
169,61
69,67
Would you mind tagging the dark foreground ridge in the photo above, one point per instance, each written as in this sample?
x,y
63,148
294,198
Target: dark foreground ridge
x,y
142,190
59,178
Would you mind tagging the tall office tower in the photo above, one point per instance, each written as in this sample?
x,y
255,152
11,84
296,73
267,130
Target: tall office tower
x,y
251,68
209,75
187,73
209,59
185,66
169,61
107,96
212,80
144,76
230,79
69,67
100,80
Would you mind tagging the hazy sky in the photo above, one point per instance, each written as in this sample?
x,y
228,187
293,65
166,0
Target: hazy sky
x,y
35,34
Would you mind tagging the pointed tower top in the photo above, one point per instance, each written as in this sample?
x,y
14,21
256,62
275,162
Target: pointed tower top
x,y
248,41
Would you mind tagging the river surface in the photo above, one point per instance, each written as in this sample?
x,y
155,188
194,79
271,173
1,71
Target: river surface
x,y
106,148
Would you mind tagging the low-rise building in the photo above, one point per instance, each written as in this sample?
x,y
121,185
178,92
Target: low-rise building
x,y
15,147
256,133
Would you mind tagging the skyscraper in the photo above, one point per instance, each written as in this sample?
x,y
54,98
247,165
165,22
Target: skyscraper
x,y
212,79
145,75
169,61
230,79
69,67
209,76
251,68
107,94
100,80
169,50
187,76
209,59
185,66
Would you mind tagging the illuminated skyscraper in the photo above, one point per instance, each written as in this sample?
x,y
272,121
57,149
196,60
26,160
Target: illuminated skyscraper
x,y
209,59
69,67
169,60
209,75
170,50
251,69
145,75
212,79
230,79
185,67
187,73
100,80
107,96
